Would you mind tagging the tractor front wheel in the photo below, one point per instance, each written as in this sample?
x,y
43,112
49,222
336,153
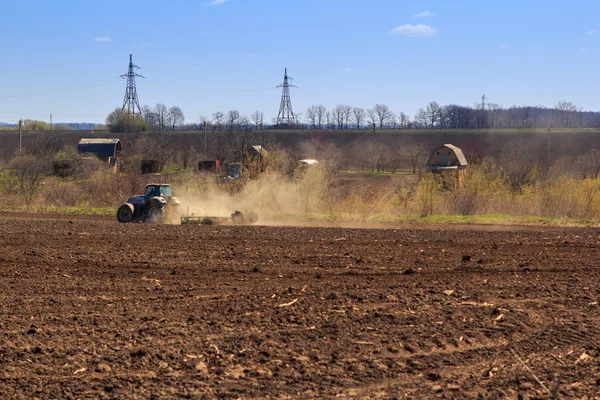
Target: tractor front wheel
x,y
125,213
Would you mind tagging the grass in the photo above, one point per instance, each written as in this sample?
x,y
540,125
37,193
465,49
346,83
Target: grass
x,y
61,210
483,219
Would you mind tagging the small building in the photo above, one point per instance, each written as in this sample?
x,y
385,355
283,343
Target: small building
x,y
108,150
257,152
213,166
150,166
447,158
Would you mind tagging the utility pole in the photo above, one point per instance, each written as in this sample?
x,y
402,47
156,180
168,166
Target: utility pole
x,y
204,138
373,152
20,135
131,102
286,115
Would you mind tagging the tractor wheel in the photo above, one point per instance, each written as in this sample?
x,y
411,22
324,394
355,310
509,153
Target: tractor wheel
x,y
237,217
154,215
252,217
125,213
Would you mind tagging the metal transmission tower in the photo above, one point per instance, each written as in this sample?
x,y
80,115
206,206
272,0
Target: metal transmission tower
x,y
131,102
286,115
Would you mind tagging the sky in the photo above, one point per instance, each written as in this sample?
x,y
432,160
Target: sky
x,y
64,57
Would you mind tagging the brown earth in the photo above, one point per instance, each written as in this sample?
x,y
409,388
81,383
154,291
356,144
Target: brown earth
x,y
94,309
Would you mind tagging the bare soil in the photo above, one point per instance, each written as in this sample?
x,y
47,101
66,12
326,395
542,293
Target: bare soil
x,y
94,309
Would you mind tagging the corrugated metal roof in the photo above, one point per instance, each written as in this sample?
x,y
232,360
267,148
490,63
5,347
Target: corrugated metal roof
x,y
459,154
259,149
98,141
308,162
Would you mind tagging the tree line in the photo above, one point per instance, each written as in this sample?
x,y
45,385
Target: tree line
x,y
485,115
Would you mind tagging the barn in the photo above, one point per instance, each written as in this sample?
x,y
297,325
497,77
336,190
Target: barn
x,y
447,158
108,150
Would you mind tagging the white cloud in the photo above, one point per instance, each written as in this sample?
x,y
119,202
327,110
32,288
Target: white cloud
x,y
216,2
590,32
424,14
414,30
503,46
587,49
347,69
364,71
104,39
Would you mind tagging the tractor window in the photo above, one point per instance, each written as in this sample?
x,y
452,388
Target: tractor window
x,y
165,191
150,192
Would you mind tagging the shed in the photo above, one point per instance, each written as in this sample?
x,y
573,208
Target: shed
x,y
105,149
447,157
213,166
257,152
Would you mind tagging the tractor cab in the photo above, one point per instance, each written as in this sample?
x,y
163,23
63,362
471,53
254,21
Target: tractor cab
x,y
158,190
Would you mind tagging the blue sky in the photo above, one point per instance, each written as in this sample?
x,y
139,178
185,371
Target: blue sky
x,y
64,57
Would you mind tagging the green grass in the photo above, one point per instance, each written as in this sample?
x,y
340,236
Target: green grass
x,y
483,219
61,210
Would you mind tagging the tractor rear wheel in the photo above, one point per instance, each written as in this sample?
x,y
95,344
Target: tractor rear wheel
x,y
154,215
125,213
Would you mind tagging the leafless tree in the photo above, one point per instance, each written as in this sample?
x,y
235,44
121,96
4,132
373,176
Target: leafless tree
x,y
404,120
218,118
416,154
567,112
233,119
176,117
321,112
257,119
29,170
311,116
383,114
372,114
338,116
162,115
358,115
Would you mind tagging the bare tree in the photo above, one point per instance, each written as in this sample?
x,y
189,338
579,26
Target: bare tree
x,y
218,118
567,112
346,113
321,112
358,115
257,118
311,116
383,114
162,115
29,170
338,116
233,119
176,117
404,120
416,154
372,114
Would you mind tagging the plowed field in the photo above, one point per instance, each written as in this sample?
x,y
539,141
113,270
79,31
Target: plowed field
x,y
94,309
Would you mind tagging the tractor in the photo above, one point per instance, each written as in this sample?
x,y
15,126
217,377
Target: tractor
x,y
155,206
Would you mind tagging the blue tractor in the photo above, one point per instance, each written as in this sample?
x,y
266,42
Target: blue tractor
x,y
156,205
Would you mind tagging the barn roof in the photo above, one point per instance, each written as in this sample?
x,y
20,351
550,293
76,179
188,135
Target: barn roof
x,y
102,148
462,160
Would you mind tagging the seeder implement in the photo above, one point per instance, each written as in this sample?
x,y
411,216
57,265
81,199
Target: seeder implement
x,y
237,218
